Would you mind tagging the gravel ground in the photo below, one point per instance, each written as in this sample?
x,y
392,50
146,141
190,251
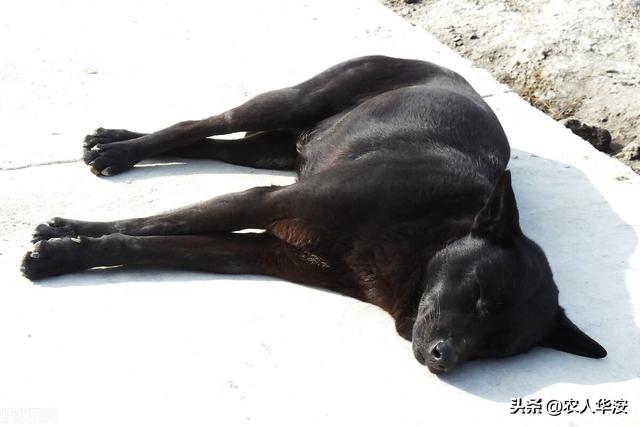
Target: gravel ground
x,y
576,60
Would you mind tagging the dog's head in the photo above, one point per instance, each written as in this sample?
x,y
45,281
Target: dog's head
x,y
492,294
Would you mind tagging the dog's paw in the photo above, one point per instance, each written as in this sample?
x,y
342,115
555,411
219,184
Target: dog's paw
x,y
51,258
110,159
110,151
105,136
54,228
63,227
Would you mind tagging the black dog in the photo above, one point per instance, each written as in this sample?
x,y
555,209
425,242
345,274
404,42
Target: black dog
x,y
402,201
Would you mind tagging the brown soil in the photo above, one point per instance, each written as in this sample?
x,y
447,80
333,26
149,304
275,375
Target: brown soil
x,y
574,60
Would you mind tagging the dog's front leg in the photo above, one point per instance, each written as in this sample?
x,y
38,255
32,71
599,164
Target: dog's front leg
x,y
222,253
227,253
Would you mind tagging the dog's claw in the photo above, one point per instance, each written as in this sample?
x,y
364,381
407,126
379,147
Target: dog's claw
x,y
55,221
52,229
89,155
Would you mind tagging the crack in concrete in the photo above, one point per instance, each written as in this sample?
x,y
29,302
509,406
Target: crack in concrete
x,y
506,91
35,165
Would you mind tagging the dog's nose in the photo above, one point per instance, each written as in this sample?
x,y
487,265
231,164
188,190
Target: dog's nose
x,y
441,357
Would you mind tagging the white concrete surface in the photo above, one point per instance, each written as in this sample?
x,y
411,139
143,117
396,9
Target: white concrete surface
x,y
136,348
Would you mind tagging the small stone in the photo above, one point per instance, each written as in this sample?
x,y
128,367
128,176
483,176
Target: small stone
x,y
599,137
630,153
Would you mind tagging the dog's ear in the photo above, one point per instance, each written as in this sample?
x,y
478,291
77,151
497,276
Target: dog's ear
x,y
499,217
566,336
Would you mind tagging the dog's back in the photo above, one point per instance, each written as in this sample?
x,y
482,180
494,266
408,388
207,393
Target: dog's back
x,y
436,119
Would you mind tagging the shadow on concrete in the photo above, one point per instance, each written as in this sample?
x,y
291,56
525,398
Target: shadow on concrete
x,y
137,275
588,246
174,166
562,211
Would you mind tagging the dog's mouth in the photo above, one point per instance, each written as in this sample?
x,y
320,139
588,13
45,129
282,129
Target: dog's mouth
x,y
433,366
436,369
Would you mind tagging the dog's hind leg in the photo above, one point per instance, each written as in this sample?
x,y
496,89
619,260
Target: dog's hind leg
x,y
274,149
227,253
265,150
293,108
255,208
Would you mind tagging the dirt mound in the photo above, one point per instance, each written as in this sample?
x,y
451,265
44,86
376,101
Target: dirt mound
x,y
576,59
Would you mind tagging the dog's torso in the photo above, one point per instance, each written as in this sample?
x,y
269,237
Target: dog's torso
x,y
437,124
414,164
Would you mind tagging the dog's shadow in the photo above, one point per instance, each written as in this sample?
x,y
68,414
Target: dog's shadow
x,y
588,246
176,166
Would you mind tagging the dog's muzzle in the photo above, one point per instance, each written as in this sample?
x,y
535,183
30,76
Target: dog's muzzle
x,y
439,356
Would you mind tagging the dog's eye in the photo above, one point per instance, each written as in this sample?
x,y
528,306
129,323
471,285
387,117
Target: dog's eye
x,y
484,307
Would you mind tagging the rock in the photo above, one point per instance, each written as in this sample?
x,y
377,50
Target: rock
x,y
599,137
630,153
